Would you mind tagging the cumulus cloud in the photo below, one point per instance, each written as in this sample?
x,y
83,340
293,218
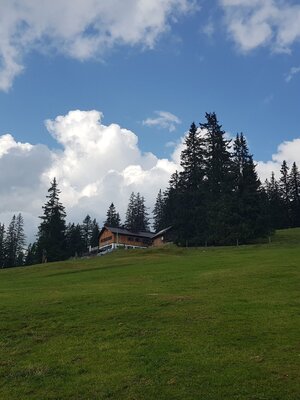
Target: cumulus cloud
x,y
255,23
164,120
94,165
79,29
97,164
293,71
288,151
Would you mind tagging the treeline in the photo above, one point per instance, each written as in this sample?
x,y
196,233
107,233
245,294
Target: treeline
x,y
284,197
215,199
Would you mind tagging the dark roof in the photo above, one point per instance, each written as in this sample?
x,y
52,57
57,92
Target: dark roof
x,y
123,231
163,231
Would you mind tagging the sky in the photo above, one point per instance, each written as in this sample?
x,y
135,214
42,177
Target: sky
x,y
100,94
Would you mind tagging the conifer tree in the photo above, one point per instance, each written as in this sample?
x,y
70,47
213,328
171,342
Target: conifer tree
x,y
137,215
112,217
51,242
294,182
75,243
31,254
159,212
87,228
284,189
2,242
249,218
95,233
220,182
275,203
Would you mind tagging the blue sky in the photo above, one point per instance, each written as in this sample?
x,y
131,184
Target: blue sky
x,y
238,58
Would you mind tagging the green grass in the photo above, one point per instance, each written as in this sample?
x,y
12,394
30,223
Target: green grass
x,y
215,323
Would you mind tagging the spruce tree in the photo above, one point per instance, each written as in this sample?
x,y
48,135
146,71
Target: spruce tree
x,y
284,189
294,182
75,243
2,242
275,208
249,218
159,213
112,217
220,182
137,215
95,233
10,244
51,238
131,212
87,228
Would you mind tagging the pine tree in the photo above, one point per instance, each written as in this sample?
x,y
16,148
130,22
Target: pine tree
x,y
220,182
31,254
159,212
51,242
249,218
130,213
294,182
75,243
10,244
2,242
112,217
86,228
95,233
275,203
137,215
20,240
284,189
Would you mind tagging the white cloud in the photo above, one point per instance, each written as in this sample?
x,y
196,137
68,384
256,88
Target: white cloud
x,y
97,164
254,23
293,71
288,151
164,120
79,29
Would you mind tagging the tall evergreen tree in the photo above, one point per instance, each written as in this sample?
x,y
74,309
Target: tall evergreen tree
x,y
284,189
249,217
95,233
220,182
137,215
10,258
75,243
294,182
112,217
275,203
51,241
159,212
87,228
2,242
20,240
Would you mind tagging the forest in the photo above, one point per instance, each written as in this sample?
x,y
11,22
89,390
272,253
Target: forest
x,y
216,198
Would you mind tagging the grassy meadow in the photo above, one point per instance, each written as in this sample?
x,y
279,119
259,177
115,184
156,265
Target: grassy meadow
x,y
170,323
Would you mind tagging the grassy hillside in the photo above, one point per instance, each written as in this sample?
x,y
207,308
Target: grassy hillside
x,y
217,323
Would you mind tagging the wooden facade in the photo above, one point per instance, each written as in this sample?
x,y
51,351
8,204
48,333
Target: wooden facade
x,y
111,238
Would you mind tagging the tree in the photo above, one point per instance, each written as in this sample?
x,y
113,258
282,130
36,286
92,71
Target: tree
x,y
51,238
31,254
249,217
95,233
284,190
275,203
112,217
87,228
2,242
14,242
219,180
294,182
137,215
75,243
159,212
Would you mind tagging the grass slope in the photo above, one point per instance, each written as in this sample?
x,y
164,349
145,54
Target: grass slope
x,y
217,323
